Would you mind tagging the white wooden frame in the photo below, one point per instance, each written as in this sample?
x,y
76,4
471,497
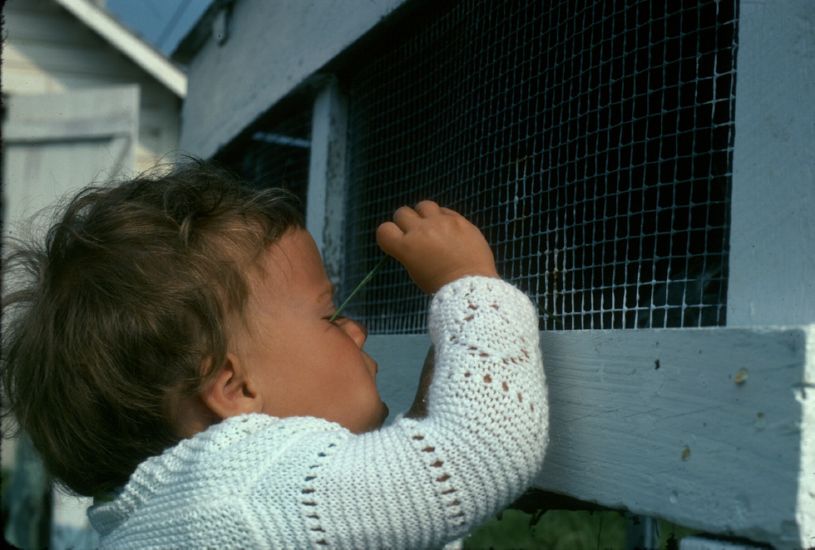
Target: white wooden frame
x,y
772,235
325,203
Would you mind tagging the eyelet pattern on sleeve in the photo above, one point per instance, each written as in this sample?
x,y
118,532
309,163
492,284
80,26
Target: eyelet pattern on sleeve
x,y
260,481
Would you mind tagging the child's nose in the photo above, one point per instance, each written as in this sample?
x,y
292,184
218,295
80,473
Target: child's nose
x,y
355,330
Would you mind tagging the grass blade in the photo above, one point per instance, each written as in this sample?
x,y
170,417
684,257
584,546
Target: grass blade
x,y
361,284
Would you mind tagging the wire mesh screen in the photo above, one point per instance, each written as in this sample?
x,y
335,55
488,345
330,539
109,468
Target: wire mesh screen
x,y
278,154
590,141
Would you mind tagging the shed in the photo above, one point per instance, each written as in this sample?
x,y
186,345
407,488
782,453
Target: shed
x,y
85,100
72,76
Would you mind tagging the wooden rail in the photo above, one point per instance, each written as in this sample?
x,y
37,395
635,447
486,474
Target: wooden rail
x,y
709,428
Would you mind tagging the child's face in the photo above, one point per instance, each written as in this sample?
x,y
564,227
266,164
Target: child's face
x,y
300,363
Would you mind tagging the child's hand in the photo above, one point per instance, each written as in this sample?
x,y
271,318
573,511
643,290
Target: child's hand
x,y
436,245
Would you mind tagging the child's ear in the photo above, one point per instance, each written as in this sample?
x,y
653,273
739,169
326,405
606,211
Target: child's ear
x,y
232,392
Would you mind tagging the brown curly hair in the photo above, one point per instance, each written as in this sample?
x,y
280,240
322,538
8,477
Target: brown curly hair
x,y
121,309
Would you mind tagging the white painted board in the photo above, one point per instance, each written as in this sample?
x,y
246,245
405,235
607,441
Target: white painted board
x,y
772,234
709,428
701,543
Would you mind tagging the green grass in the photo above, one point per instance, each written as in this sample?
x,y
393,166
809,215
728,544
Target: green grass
x,y
564,530
556,530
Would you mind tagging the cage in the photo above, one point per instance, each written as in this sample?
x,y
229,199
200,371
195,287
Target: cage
x,y
591,142
275,152
635,165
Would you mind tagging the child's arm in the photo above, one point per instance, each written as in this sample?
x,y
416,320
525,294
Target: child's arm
x,y
478,439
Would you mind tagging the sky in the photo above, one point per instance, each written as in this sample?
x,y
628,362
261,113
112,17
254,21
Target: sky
x,y
161,23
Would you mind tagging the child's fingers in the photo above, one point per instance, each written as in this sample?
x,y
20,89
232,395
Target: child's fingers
x,y
406,218
388,236
427,208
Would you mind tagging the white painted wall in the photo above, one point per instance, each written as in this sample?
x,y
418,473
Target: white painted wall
x,y
47,50
271,48
772,235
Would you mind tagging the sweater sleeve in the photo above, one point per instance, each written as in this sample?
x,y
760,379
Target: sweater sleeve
x,y
420,483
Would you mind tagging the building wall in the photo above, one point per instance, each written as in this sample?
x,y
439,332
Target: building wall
x,y
47,50
271,48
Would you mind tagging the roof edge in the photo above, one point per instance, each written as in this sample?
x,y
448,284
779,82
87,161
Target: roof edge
x,y
141,53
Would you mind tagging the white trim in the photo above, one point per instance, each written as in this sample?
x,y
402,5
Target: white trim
x,y
123,40
75,128
719,437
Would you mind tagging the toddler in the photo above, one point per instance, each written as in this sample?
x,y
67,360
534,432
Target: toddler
x,y
172,355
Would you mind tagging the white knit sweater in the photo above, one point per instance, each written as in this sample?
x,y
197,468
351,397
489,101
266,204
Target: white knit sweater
x,y
256,481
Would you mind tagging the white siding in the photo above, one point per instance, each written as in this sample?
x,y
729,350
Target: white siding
x,y
47,50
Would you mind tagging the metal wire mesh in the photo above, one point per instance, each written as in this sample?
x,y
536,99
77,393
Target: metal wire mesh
x,y
278,155
590,141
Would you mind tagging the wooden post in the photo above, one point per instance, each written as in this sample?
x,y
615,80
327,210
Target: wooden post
x,y
772,232
325,207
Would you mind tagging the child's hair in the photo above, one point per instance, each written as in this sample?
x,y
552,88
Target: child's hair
x,y
125,309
